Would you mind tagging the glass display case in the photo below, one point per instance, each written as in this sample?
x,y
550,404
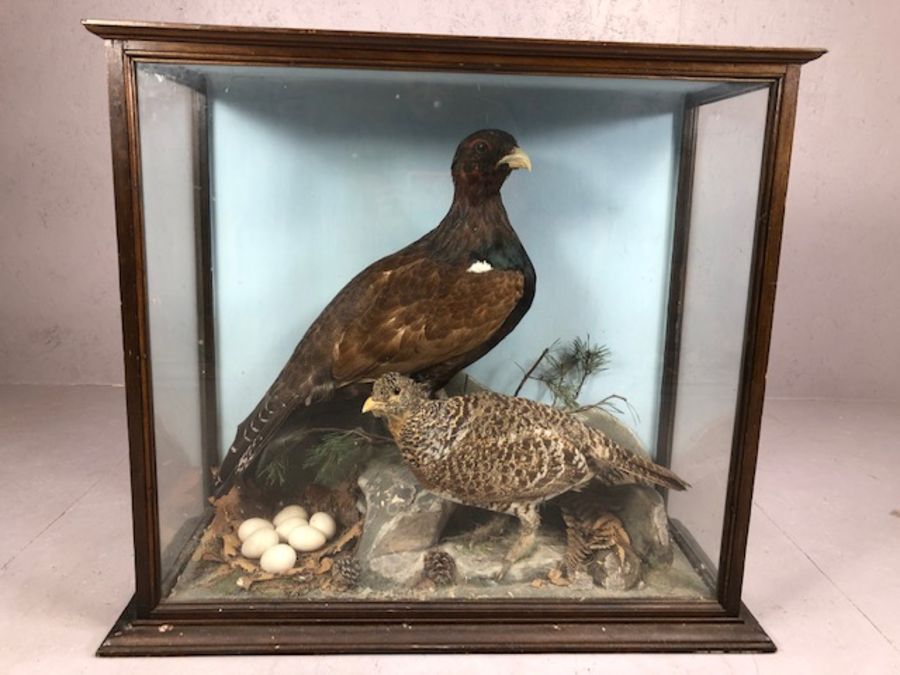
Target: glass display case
x,y
440,343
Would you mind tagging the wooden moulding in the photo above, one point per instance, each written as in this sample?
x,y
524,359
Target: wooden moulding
x,y
132,637
241,36
149,627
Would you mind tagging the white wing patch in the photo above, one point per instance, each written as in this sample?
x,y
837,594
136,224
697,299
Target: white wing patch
x,y
480,266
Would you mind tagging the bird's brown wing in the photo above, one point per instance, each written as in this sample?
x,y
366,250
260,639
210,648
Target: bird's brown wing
x,y
608,461
423,313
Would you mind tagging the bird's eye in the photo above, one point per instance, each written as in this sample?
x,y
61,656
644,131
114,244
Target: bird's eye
x,y
396,391
481,146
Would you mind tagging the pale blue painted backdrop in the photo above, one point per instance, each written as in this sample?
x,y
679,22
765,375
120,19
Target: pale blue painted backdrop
x,y
316,173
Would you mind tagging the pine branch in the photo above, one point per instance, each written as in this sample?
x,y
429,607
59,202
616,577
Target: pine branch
x,y
340,451
565,370
527,375
337,452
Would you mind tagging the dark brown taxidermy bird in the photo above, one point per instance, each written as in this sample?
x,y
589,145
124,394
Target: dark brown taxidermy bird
x,y
503,453
427,310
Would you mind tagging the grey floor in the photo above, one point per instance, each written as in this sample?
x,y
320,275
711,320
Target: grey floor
x,y
822,570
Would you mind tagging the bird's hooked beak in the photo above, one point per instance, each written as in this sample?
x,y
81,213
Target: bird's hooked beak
x,y
517,159
372,405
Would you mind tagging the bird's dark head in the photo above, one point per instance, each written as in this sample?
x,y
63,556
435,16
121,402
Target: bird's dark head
x,y
482,162
395,396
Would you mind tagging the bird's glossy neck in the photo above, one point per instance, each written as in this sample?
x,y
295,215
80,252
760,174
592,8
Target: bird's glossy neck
x,y
475,229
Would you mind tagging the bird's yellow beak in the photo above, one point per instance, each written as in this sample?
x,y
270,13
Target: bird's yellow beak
x,y
371,405
517,159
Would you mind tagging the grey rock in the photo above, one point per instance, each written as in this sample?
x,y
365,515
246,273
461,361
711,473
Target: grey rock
x,y
614,573
401,517
613,427
476,564
394,569
480,562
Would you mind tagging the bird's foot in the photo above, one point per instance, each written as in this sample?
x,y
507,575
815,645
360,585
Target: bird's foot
x,y
564,570
558,576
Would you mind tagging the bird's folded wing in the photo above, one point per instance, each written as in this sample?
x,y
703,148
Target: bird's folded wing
x,y
524,466
421,314
510,449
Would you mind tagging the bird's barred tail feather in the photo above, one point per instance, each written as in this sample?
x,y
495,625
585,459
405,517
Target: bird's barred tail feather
x,y
651,472
251,438
637,468
255,432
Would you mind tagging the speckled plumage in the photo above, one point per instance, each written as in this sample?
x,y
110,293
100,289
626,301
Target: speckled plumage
x,y
503,453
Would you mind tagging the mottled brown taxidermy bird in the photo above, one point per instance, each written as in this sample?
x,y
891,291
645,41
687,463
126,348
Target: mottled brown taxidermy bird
x,y
427,310
502,453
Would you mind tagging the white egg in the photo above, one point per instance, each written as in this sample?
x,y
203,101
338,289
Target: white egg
x,y
324,524
306,538
292,511
278,559
251,525
284,530
258,542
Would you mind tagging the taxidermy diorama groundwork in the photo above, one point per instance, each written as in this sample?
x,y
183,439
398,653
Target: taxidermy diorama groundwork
x,y
444,489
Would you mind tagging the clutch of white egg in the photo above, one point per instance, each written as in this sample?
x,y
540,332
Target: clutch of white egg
x,y
276,542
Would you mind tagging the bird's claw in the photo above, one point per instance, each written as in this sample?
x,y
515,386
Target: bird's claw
x,y
558,577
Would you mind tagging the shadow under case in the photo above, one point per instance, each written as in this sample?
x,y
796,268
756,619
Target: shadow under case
x,y
258,171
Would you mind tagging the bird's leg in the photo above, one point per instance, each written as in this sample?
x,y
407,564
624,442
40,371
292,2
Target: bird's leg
x,y
530,520
482,533
488,530
576,551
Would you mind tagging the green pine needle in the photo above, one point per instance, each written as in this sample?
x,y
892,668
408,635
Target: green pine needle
x,y
565,369
337,455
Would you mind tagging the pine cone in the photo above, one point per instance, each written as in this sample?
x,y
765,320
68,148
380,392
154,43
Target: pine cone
x,y
346,572
439,567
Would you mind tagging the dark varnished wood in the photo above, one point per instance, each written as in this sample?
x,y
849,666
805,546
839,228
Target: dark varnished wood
x,y
135,333
677,273
757,335
206,344
132,637
532,49
374,612
152,627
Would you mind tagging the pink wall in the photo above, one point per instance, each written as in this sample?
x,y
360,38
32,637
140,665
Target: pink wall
x,y
837,318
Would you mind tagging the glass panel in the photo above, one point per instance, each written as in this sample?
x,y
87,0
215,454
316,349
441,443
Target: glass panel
x,y
728,155
316,173
167,170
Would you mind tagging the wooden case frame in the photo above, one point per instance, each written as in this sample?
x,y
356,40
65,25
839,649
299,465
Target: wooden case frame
x,y
149,628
